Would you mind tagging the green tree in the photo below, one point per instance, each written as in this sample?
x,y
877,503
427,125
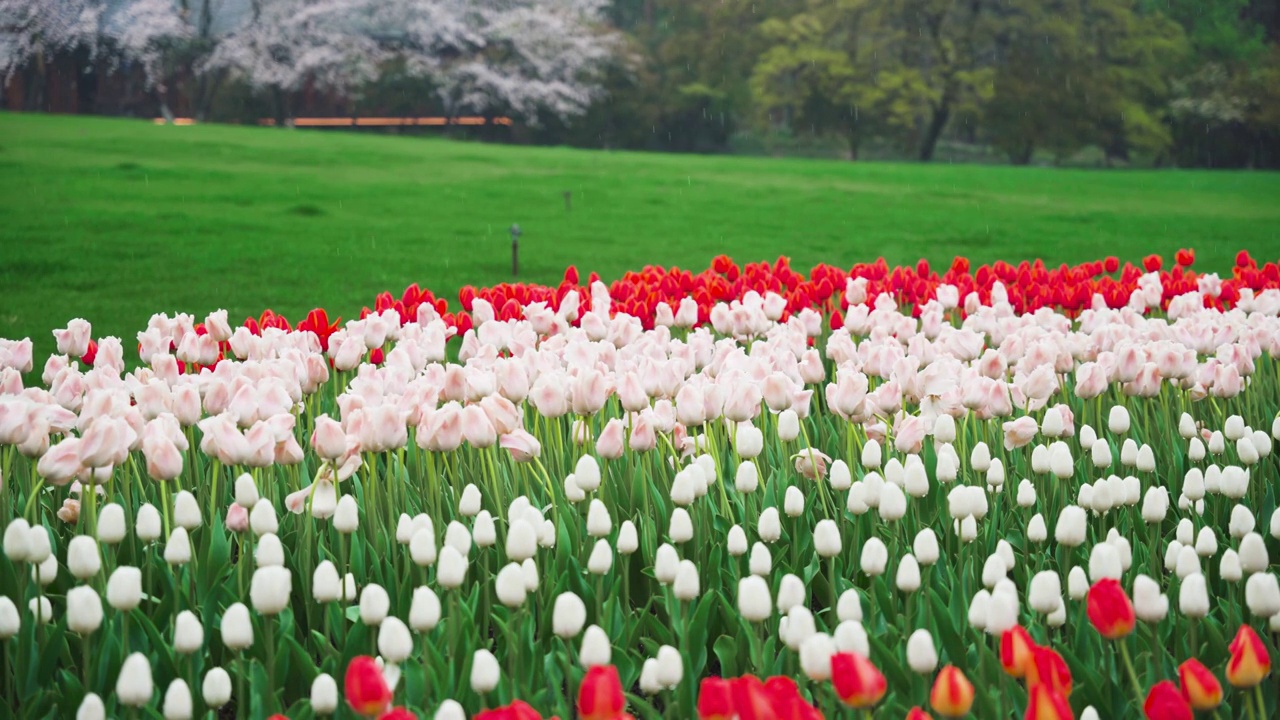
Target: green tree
x,y
835,68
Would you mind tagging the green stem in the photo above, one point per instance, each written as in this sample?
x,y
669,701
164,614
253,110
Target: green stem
x,y
1128,667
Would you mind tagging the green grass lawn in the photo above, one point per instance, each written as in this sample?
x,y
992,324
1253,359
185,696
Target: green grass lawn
x,y
113,220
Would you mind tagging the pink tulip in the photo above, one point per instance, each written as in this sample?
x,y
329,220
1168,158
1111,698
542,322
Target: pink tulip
x,y
36,443
778,392
384,429
185,402
237,518
329,440
908,434
61,463
590,389
1226,382
502,413
689,405
742,402
164,462
443,429
260,446
811,463
1019,433
1091,380
811,369
153,398
522,446
317,373
549,396
476,427
513,380
643,438
348,355
1147,383
13,420
74,340
54,365
288,452
17,355
105,442
610,443
631,392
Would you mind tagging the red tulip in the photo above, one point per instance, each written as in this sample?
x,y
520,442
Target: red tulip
x,y
1017,651
366,689
916,713
600,696
952,693
1110,610
1186,257
786,701
857,682
1199,686
518,710
1249,662
1045,704
397,713
750,700
1049,669
715,701
1152,262
1165,702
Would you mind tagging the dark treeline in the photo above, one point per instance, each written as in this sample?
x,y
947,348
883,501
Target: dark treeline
x,y
1187,83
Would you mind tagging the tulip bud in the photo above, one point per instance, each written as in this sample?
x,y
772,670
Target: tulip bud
x,y
747,478
452,568
737,542
686,586
908,576
797,628
469,504
1071,527
598,522
587,473
1242,521
670,666
761,561
1146,461
666,564
754,603
10,620
839,476
269,589
850,636
186,511
246,491
1036,530
1077,583
922,656
188,634
1118,420
978,609
324,695
1150,605
485,672
216,688
346,518
177,701
628,541
1253,553
237,630
1275,519
681,529
649,682
826,539
82,557
875,556
893,503
788,425
91,708
111,526
262,518
134,686
124,588
1249,664
84,610
1060,462
1262,594
1193,597
394,642
1229,568
1002,613
178,550
36,548
595,650
1104,562
1046,592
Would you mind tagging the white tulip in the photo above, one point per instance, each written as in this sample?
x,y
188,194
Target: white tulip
x,y
925,547
134,686
572,492
815,656
747,477
978,610
681,528
798,628
628,540
851,636
246,491
374,604
1118,420
993,571
1262,594
1206,543
1045,593
177,701
893,503
769,526
1077,583
826,538
908,576
1217,443
595,648
670,666
839,476
1242,521
980,458
1193,597
686,585
922,656
666,564
1071,527
649,682
510,582
124,588
1036,530
82,557
269,552
485,672
395,644
10,620
270,588
91,708
346,517
469,504
601,559
1104,562
236,627
568,615
1253,553
84,610
788,425
1150,605
452,568
587,473
111,524
737,542
875,556
324,694
871,454
761,561
599,523
1188,562
216,688
262,518
186,511
754,603
1229,568
188,633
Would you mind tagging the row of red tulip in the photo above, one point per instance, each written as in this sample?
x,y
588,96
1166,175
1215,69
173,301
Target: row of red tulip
x,y
654,294
860,685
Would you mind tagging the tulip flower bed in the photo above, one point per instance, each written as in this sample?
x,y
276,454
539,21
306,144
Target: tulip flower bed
x,y
742,494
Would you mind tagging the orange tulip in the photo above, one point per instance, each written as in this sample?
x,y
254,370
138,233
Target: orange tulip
x,y
916,713
857,682
1017,651
1249,662
1045,704
600,697
952,693
1049,669
1110,610
1199,686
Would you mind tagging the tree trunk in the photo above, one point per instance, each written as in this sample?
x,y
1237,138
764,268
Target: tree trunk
x,y
937,123
854,141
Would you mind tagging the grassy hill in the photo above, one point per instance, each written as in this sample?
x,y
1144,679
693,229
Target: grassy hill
x,y
114,220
